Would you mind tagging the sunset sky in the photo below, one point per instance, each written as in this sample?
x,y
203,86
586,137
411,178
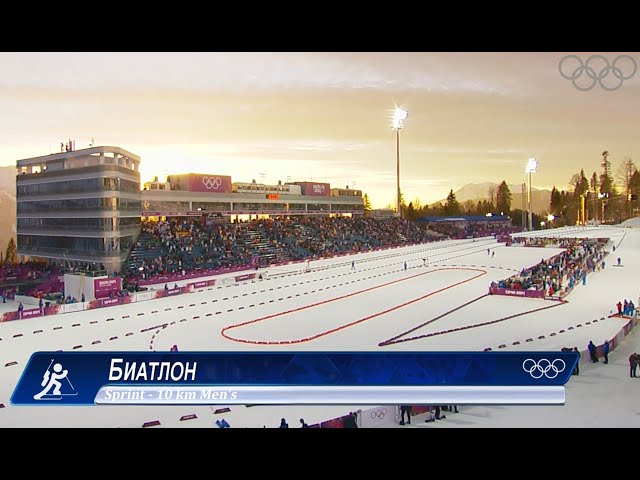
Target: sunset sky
x,y
473,117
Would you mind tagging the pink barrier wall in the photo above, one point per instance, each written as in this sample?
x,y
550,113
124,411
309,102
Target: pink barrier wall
x,y
585,357
242,278
8,316
199,274
205,283
107,302
32,312
52,310
512,292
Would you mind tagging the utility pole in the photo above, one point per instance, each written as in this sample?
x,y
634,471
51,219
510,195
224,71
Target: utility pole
x,y
629,173
524,204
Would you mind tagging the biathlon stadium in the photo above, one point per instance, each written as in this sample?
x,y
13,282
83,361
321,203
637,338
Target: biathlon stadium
x,y
200,263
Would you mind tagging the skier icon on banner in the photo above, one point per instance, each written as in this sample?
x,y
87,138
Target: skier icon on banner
x,y
50,379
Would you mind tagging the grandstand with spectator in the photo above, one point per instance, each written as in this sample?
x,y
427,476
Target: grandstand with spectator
x,y
470,226
183,245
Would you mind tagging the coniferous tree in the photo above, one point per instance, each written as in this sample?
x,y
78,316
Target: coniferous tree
x,y
366,204
452,207
503,198
555,204
410,212
11,256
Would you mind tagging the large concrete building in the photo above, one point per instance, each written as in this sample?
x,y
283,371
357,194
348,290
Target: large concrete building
x,y
79,207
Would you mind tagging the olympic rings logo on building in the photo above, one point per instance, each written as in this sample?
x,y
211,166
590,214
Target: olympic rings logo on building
x,y
543,367
588,69
212,183
379,414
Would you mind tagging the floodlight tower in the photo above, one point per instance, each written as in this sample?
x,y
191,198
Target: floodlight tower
x,y
399,116
532,165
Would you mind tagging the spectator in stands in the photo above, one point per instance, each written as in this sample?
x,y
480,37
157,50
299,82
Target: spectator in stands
x,y
186,245
303,424
633,364
569,266
283,424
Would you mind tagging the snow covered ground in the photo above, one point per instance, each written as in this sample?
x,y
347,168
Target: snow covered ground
x,y
334,307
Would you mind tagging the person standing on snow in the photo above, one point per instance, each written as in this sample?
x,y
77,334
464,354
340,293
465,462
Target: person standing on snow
x,y
605,351
593,352
577,370
633,365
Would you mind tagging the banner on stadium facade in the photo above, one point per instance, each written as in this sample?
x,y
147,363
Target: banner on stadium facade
x,y
315,189
209,183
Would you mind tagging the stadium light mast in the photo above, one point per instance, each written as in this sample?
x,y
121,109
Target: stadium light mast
x,y
399,116
531,167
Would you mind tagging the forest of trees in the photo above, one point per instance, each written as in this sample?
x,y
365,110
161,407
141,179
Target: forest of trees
x,y
608,198
500,202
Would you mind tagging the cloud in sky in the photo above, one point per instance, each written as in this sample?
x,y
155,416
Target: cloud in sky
x,y
473,117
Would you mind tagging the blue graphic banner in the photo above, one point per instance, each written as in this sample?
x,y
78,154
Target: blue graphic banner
x,y
89,378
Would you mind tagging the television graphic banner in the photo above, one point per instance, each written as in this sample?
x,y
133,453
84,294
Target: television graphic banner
x,y
301,378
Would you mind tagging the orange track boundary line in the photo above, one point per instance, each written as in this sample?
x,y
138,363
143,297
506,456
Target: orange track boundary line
x,y
342,327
